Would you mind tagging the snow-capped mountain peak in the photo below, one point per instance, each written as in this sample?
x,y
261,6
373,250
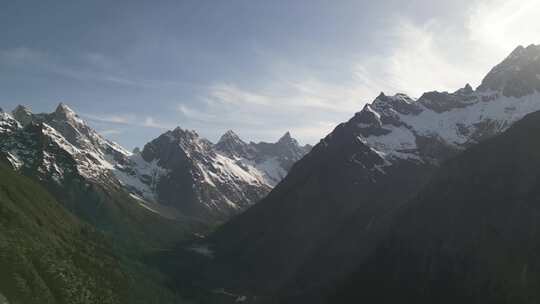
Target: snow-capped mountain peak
x,y
65,110
233,146
22,114
287,139
517,76
8,124
439,124
230,136
216,180
71,146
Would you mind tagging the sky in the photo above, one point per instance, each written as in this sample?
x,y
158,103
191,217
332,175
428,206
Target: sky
x,y
134,69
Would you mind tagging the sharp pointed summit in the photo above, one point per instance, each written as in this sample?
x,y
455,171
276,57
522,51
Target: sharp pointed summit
x,y
287,138
232,145
22,114
229,134
517,75
230,137
63,111
62,108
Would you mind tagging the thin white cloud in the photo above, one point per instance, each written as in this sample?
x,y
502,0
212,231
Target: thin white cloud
x,y
107,132
128,120
419,61
93,67
151,122
413,58
194,114
418,58
289,95
226,93
124,119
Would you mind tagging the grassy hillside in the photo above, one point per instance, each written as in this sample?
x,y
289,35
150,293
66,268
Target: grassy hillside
x,y
48,256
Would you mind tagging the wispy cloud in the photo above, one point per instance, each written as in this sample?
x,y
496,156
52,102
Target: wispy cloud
x,y
419,60
151,122
226,93
128,120
19,55
107,132
419,57
269,113
125,119
498,26
90,67
282,91
197,115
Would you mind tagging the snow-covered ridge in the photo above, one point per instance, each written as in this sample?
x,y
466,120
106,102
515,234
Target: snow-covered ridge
x,y
61,145
56,144
439,123
517,75
271,160
398,127
224,177
8,124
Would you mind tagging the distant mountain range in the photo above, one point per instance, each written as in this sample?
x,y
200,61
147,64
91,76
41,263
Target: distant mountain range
x,y
428,200
338,202
179,174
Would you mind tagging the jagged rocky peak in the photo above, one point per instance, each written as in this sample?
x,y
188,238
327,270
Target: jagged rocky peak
x,y
64,109
467,89
232,145
230,138
287,139
384,110
8,124
397,98
22,114
367,117
178,133
64,112
445,101
287,149
518,75
176,142
230,135
400,103
188,139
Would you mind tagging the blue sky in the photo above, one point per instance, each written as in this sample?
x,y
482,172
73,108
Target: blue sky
x,y
134,69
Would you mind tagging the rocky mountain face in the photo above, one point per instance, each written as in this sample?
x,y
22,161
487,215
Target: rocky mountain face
x,y
177,175
207,180
274,160
517,75
338,202
57,144
78,166
470,236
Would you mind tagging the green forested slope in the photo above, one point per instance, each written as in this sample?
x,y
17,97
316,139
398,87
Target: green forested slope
x,y
48,256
